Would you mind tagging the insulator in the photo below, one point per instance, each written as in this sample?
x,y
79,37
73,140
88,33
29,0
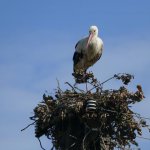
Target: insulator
x,y
90,108
91,101
91,105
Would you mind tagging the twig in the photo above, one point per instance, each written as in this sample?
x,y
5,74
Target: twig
x,y
139,116
85,138
143,138
71,146
96,86
59,89
108,110
28,126
41,144
107,80
82,91
73,136
71,86
92,88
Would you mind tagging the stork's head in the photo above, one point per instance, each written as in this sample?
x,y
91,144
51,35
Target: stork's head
x,y
93,32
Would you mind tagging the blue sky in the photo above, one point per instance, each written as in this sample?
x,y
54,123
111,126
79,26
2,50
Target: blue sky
x,y
37,41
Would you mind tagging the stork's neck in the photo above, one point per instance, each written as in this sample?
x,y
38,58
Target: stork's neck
x,y
92,45
93,40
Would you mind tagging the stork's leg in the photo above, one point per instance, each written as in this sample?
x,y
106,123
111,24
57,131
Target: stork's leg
x,y
84,76
86,87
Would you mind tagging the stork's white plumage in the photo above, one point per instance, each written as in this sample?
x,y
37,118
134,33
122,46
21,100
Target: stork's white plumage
x,y
87,51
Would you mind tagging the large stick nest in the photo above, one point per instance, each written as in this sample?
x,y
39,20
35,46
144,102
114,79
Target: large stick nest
x,y
90,120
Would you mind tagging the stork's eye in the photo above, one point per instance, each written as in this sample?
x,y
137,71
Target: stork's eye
x,y
94,30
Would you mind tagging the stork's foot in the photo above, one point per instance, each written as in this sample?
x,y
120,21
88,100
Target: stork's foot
x,y
82,77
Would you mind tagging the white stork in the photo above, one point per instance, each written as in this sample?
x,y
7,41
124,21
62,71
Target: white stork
x,y
87,51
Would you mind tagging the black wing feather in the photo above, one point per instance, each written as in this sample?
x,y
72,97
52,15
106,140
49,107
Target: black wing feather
x,y
76,57
77,44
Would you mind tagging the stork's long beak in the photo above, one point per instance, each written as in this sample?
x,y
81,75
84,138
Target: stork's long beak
x,y
89,39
